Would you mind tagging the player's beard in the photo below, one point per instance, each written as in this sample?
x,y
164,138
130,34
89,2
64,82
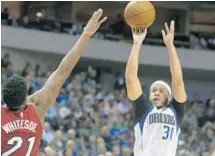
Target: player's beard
x,y
164,104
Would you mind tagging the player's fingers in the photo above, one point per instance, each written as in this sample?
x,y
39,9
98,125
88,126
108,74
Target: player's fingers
x,y
133,30
167,28
172,27
163,33
102,20
98,14
93,16
141,30
145,31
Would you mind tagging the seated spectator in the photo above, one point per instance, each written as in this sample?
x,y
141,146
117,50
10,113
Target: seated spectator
x,y
13,20
118,26
48,134
25,22
4,16
5,61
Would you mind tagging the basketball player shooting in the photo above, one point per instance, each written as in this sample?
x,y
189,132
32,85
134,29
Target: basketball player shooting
x,y
22,118
158,117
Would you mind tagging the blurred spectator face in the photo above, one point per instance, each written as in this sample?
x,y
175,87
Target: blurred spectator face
x,y
5,10
68,152
59,135
100,140
116,150
49,151
30,77
25,20
6,57
101,148
92,139
126,151
70,144
41,153
71,134
198,109
211,113
71,94
212,103
58,143
210,133
46,127
108,154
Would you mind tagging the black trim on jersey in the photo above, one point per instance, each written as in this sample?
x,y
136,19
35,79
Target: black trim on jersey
x,y
180,109
141,105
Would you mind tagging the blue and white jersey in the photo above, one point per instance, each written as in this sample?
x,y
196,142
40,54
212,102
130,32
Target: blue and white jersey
x,y
157,130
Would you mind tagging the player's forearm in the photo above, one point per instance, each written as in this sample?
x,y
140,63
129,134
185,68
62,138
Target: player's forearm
x,y
72,57
133,61
175,65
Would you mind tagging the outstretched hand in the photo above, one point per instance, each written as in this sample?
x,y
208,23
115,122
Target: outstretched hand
x,y
139,34
168,37
94,23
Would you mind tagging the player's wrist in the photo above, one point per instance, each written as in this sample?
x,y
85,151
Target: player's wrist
x,y
87,34
170,46
137,42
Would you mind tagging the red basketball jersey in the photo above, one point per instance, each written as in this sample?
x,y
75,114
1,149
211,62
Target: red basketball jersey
x,y
21,132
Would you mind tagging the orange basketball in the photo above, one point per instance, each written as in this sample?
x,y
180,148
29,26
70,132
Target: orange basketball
x,y
139,14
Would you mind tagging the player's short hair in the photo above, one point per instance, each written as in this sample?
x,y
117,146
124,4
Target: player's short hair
x,y
164,83
14,92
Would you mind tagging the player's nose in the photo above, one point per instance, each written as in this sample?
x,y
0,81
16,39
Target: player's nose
x,y
157,94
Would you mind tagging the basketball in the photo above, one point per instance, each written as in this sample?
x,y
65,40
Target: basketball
x,y
139,14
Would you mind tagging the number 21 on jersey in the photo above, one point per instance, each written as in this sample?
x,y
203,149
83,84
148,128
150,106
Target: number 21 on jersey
x,y
168,132
17,143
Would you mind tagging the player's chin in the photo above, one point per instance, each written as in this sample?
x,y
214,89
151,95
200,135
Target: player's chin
x,y
157,103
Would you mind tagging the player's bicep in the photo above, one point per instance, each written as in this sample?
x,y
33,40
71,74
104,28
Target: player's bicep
x,y
134,89
40,101
180,108
179,92
53,86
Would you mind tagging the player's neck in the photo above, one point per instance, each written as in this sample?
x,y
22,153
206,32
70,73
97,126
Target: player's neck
x,y
162,107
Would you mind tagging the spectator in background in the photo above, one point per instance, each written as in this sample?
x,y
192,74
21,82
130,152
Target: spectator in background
x,y
49,151
26,69
4,16
118,26
13,19
92,145
25,22
48,134
120,82
116,150
37,70
5,61
29,80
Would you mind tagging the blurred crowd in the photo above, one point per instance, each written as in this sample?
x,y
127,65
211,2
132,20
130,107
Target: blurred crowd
x,y
117,31
87,120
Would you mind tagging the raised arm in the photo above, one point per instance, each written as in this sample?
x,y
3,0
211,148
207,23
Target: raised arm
x,y
179,93
48,94
134,89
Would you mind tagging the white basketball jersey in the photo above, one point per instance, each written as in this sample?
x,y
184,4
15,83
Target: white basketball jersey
x,y
156,133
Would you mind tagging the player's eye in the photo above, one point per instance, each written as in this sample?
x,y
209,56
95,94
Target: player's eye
x,y
161,90
154,90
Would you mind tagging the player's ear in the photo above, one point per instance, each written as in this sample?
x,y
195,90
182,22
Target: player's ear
x,y
150,97
169,98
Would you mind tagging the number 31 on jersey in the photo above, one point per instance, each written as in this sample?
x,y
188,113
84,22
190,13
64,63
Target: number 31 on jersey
x,y
168,132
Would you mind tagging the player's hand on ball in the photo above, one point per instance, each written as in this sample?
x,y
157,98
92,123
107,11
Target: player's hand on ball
x,y
94,23
168,37
139,35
